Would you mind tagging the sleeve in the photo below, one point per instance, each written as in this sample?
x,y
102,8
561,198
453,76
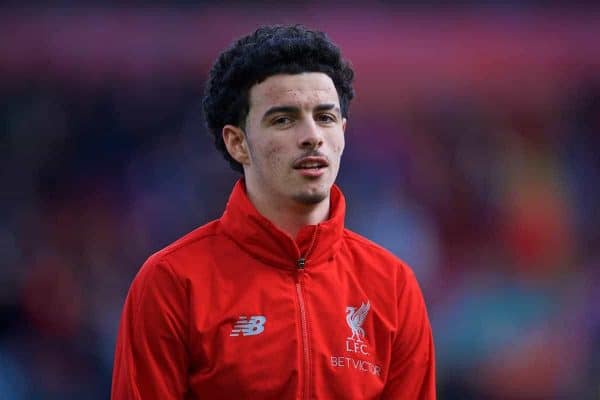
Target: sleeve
x,y
151,356
412,366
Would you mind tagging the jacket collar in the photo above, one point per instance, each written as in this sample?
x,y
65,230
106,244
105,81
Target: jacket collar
x,y
264,241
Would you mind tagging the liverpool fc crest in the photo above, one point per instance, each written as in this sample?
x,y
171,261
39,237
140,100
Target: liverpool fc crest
x,y
355,318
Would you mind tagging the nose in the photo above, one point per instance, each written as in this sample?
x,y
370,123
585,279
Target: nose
x,y
311,135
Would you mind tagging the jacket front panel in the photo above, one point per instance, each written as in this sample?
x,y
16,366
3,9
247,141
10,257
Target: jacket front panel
x,y
244,336
271,363
351,363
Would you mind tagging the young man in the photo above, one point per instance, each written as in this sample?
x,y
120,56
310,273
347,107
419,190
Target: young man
x,y
276,299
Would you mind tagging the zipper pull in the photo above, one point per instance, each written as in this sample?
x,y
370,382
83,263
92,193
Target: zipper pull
x,y
301,262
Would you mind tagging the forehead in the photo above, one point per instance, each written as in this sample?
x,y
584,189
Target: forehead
x,y
304,90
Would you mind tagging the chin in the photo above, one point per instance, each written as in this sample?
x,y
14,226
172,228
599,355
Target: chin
x,y
311,197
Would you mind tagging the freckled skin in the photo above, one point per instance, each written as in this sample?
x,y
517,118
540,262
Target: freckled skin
x,y
277,141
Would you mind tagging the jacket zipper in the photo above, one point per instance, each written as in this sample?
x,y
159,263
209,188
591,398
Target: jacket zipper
x,y
304,340
300,264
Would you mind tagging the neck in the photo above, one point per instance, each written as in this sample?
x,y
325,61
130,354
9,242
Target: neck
x,y
288,215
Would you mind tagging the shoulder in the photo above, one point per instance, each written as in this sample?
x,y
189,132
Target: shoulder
x,y
197,238
190,250
360,243
380,260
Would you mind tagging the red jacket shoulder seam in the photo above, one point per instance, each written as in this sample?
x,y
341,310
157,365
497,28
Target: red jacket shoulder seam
x,y
366,242
176,246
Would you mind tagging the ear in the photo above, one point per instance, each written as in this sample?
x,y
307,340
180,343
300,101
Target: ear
x,y
236,144
344,121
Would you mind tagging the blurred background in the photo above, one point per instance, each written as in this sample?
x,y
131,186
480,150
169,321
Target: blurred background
x,y
473,153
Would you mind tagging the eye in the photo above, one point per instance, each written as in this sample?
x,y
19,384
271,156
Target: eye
x,y
281,120
326,118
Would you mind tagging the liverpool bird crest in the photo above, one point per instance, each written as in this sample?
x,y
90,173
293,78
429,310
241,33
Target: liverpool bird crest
x,y
355,319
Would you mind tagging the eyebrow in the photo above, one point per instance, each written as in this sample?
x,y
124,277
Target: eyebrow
x,y
328,107
296,110
280,109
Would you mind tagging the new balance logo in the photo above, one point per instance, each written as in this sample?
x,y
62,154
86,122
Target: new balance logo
x,y
248,327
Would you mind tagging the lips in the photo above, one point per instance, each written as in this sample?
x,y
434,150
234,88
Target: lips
x,y
311,163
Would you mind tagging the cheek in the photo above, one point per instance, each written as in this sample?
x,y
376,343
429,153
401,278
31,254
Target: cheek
x,y
273,155
339,146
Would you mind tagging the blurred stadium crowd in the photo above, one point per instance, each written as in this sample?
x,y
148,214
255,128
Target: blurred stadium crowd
x,y
496,208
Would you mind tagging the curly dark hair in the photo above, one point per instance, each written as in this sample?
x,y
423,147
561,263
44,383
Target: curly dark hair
x,y
269,51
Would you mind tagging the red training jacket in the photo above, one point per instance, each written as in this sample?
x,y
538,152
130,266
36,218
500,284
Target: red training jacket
x,y
237,309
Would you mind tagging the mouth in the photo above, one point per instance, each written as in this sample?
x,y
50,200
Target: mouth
x,y
311,167
311,163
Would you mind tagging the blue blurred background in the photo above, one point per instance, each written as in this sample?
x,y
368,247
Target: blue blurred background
x,y
473,153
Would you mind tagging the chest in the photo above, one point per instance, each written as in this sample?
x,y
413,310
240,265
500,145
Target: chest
x,y
268,333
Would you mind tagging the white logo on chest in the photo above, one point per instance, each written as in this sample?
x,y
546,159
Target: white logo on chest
x,y
249,327
357,343
355,319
